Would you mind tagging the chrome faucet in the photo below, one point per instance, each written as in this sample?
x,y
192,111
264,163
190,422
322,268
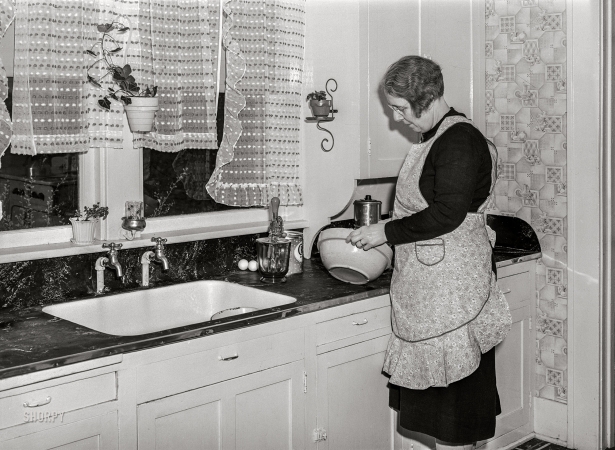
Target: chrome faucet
x,y
157,256
104,262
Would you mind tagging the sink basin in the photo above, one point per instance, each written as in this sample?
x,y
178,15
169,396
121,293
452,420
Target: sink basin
x,y
156,309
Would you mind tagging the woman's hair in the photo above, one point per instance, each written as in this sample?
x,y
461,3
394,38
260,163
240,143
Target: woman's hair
x,y
415,79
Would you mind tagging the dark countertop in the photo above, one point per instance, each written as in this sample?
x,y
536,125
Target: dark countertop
x,y
31,340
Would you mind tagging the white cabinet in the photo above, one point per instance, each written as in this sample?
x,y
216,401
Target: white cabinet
x,y
514,356
76,411
352,394
96,433
258,411
390,30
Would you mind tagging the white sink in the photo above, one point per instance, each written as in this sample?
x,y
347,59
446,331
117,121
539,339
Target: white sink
x,y
156,309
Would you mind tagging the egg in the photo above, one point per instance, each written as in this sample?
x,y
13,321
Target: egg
x,y
253,266
243,264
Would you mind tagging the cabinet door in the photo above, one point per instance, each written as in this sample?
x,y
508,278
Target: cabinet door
x,y
513,359
353,408
263,410
96,433
391,30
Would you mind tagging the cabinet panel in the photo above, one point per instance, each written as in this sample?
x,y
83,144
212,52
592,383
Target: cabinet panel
x,y
262,410
353,397
54,400
354,324
175,375
517,288
97,433
513,359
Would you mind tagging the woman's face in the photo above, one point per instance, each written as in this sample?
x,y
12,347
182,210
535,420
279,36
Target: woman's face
x,y
402,112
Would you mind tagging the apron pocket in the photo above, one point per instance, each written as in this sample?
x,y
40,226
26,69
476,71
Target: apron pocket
x,y
430,252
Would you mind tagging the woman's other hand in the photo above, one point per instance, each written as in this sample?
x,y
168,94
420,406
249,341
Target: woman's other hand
x,y
368,237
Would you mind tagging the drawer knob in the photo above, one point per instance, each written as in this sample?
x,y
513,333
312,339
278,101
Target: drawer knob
x,y
228,358
363,322
37,404
507,291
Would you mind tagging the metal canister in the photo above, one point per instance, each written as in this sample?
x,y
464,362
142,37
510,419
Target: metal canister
x,y
366,211
295,264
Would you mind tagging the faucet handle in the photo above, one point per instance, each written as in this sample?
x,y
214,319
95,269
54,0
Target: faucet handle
x,y
113,247
159,241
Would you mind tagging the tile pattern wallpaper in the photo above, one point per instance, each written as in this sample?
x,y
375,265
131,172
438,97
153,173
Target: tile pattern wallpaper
x,y
525,107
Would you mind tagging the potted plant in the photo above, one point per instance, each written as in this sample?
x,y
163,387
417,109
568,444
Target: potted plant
x,y
140,104
321,107
84,223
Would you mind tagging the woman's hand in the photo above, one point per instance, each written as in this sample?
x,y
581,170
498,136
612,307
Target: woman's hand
x,y
368,237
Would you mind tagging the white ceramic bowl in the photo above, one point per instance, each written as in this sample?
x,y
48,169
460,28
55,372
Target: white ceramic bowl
x,y
348,263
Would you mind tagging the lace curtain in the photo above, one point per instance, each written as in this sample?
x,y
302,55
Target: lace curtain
x,y
171,44
49,92
260,151
179,54
7,14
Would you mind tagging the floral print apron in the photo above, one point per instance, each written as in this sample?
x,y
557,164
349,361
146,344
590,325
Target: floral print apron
x,y
446,306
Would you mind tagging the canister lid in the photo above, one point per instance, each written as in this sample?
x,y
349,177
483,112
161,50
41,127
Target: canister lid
x,y
366,200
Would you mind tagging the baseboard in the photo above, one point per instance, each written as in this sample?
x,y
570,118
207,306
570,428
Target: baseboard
x,y
551,440
506,441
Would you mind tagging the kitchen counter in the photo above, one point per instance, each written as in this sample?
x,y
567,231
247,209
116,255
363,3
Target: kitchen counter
x,y
31,340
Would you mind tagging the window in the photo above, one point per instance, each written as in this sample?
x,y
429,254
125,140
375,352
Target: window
x,y
113,176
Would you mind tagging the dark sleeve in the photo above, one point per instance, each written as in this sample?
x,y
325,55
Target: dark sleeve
x,y
456,161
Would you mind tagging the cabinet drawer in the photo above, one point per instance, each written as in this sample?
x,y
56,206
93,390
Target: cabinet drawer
x,y
57,399
191,371
517,288
352,325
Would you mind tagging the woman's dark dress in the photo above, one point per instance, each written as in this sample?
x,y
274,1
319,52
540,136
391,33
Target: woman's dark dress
x,y
456,179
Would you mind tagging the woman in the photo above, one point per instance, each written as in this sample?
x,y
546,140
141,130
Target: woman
x,y
448,313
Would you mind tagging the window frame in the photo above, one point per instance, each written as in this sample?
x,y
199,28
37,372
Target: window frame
x,y
114,176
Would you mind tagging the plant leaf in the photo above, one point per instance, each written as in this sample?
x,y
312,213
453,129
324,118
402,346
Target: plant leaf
x,y
123,29
94,82
154,91
116,50
91,53
104,28
126,100
127,70
104,103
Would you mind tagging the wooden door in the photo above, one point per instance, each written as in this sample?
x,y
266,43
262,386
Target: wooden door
x,y
390,31
96,433
262,410
353,407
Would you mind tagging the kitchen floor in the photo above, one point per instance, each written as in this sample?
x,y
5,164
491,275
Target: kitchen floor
x,y
537,444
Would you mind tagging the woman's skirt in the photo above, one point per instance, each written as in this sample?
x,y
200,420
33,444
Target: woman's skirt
x,y
463,412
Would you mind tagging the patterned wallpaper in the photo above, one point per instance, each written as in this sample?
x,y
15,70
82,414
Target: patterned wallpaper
x,y
526,119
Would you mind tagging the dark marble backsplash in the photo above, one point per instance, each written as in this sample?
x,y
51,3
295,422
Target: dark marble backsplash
x,y
55,280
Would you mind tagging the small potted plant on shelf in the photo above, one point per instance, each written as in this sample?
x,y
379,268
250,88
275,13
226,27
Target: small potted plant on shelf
x,y
140,104
321,107
84,223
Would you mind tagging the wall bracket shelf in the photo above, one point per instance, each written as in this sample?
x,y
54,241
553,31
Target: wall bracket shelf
x,y
327,118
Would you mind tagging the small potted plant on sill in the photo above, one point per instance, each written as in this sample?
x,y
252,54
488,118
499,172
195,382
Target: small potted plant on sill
x,y
84,223
321,107
140,104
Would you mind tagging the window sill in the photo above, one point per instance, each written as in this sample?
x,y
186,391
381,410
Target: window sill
x,y
55,250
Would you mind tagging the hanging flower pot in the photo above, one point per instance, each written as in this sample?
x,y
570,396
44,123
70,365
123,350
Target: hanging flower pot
x,y
320,108
140,113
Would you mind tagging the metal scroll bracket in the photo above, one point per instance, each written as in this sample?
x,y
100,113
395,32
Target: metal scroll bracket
x,y
328,118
